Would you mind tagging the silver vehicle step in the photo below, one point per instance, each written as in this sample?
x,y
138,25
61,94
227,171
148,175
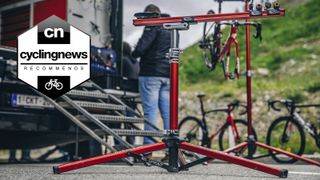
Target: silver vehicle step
x,y
95,105
87,84
88,94
130,132
110,118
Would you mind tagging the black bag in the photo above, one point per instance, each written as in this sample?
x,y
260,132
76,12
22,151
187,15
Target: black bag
x,y
3,65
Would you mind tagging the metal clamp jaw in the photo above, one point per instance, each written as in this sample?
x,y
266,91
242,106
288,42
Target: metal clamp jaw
x,y
176,26
175,51
174,54
169,132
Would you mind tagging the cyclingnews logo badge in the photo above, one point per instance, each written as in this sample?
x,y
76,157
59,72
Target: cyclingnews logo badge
x,y
53,57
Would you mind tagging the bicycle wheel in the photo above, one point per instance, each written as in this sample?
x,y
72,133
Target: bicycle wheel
x,y
209,43
226,136
192,130
288,137
48,86
59,86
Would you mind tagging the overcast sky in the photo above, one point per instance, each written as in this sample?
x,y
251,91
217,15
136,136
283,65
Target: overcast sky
x,y
174,8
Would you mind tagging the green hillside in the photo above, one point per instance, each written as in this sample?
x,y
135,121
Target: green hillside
x,y
288,56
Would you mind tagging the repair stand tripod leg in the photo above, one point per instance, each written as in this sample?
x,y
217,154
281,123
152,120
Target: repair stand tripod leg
x,y
270,148
235,148
173,167
107,158
287,154
235,160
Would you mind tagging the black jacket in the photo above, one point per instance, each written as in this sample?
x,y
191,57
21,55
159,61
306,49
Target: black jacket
x,y
131,73
130,67
152,48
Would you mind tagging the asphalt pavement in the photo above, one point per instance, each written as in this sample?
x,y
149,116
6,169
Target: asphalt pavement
x,y
139,172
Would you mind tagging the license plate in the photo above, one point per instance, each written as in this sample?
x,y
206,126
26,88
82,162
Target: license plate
x,y
30,101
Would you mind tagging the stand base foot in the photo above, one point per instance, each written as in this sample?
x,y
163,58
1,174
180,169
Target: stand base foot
x,y
173,170
56,170
283,173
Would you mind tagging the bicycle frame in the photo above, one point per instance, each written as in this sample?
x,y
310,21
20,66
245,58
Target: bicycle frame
x,y
232,39
291,108
296,116
218,53
229,120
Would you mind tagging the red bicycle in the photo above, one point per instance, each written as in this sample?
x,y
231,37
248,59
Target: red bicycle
x,y
231,132
212,50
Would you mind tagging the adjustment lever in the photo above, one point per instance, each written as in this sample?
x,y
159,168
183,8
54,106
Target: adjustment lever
x,y
146,15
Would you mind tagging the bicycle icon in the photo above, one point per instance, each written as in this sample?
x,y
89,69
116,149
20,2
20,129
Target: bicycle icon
x,y
53,83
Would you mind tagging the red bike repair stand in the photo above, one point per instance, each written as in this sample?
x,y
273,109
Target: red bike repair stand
x,y
172,141
252,143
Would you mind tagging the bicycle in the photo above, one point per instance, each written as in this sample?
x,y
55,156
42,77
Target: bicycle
x,y
212,50
287,132
53,83
231,132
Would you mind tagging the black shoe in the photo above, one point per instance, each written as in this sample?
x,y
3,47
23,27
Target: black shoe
x,y
27,160
12,160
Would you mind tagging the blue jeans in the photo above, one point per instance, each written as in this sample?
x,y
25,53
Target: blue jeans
x,y
155,93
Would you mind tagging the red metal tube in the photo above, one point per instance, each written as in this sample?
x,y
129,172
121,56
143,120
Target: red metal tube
x,y
174,94
288,154
235,160
106,158
248,64
239,146
202,18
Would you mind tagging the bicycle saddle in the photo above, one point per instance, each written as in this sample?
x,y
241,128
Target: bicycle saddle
x,y
164,15
146,15
201,95
211,12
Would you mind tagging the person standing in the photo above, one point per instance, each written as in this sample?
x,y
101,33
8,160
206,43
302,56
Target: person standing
x,y
130,74
131,69
154,76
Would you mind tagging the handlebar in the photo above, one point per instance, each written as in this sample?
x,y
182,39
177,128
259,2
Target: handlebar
x,y
230,107
258,34
235,105
287,102
257,25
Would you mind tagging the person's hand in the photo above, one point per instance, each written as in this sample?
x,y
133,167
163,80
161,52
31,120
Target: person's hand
x,y
108,63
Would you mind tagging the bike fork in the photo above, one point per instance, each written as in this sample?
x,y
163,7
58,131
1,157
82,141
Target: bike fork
x,y
237,70
227,67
